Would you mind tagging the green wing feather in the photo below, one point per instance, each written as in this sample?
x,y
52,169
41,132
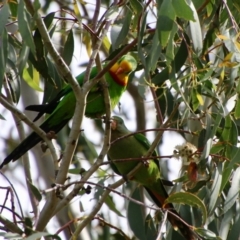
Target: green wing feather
x,y
66,91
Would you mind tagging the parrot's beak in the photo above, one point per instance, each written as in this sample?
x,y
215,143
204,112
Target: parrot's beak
x,y
113,124
124,67
120,70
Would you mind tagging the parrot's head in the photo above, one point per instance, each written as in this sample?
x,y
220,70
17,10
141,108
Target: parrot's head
x,y
122,68
117,124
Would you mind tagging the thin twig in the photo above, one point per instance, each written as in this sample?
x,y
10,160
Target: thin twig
x,y
112,226
154,130
157,106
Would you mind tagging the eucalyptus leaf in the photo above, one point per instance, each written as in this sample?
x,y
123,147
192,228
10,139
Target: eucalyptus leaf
x,y
25,27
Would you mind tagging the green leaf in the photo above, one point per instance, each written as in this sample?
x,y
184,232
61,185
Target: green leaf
x,y
142,86
50,89
183,10
31,77
121,38
230,133
36,5
111,13
108,201
195,30
137,8
14,80
141,34
218,147
170,46
207,234
195,102
40,62
215,190
35,192
136,215
4,14
48,19
13,5
237,109
166,18
3,54
226,224
234,231
229,166
23,58
74,171
227,171
1,117
38,235
235,157
216,120
154,53
12,54
24,26
68,48
150,229
233,192
210,134
10,235
112,206
28,226
189,199
209,8
178,62
209,39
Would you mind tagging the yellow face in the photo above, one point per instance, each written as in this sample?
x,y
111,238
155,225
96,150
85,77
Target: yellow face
x,y
125,67
121,70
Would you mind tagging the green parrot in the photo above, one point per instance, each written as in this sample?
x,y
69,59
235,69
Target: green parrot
x,y
61,108
136,146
